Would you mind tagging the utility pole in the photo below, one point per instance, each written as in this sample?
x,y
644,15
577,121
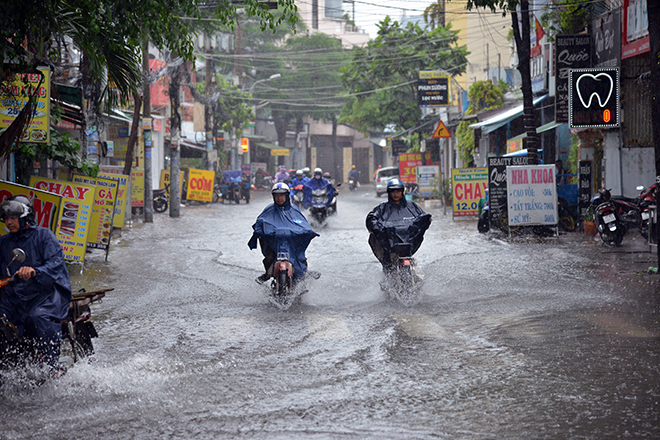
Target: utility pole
x,y
175,126
146,121
208,106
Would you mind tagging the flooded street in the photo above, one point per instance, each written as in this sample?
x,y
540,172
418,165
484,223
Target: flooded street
x,y
522,339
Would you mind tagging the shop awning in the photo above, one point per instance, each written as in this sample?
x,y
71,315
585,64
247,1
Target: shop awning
x,y
191,146
492,124
271,146
548,126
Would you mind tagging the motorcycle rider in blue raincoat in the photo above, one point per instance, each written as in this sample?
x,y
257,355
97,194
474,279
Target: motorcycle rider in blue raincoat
x,y
282,228
300,179
318,182
38,302
395,222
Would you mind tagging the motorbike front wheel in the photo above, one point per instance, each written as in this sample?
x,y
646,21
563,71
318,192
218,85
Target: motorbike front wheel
x,y
483,224
504,223
160,205
566,221
282,283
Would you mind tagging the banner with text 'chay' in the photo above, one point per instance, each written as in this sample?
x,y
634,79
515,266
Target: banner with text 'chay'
x,y
532,195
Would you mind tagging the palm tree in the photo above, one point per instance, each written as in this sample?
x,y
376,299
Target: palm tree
x,y
434,14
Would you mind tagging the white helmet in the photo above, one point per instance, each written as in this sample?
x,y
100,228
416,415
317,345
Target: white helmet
x,y
280,188
318,171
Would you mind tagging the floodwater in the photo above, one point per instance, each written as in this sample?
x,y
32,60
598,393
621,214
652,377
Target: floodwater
x,y
525,339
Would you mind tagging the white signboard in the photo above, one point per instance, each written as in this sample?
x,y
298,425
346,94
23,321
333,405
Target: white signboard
x,y
428,179
532,195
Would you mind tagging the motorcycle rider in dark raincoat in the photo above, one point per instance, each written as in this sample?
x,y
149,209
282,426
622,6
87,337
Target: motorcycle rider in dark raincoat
x,y
38,302
318,182
282,228
299,180
396,221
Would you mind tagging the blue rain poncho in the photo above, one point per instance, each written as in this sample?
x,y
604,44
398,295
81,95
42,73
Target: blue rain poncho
x,y
314,184
284,229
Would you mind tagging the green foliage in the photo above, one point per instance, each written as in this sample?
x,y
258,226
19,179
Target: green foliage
x,y
483,95
61,148
566,17
382,76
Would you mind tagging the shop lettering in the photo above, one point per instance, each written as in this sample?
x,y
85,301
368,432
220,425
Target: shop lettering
x,y
201,184
69,191
469,190
105,194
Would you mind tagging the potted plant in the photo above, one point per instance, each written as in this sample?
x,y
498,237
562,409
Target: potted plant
x,y
589,223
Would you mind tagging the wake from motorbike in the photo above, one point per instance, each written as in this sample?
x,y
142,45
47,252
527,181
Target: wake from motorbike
x,y
404,281
20,352
284,290
401,239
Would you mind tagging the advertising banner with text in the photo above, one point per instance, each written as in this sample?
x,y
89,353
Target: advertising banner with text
x,y
137,187
46,205
408,163
532,195
200,185
122,193
165,182
100,230
468,186
75,217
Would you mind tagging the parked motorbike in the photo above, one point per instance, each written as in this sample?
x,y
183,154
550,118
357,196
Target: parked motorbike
x,y
160,200
609,223
77,329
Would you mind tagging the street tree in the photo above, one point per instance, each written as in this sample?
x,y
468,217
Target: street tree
x,y
520,23
482,95
381,78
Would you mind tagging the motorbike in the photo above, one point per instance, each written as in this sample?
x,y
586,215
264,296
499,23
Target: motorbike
x,y
298,196
77,329
351,184
320,206
609,223
402,238
160,200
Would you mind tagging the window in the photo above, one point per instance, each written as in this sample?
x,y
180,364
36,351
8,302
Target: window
x,y
333,9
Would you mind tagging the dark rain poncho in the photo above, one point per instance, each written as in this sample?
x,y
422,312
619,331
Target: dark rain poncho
x,y
394,225
284,229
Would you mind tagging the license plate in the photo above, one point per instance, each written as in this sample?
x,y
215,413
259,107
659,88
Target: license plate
x,y
645,215
609,218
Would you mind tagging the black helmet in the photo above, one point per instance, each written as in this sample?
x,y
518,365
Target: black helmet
x,y
19,207
394,184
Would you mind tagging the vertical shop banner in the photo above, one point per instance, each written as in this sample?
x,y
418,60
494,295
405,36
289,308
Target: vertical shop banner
x,y
408,163
46,205
585,189
137,188
165,182
100,230
14,95
122,193
200,185
468,186
532,195
497,197
428,180
75,217
572,52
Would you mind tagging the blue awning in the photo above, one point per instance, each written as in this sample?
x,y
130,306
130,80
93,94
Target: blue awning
x,y
492,124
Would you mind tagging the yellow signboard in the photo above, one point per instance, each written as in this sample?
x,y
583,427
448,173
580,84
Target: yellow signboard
x,y
200,185
46,205
122,193
14,96
137,188
100,229
76,214
279,152
165,182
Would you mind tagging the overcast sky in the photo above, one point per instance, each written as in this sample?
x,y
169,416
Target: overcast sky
x,y
369,13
